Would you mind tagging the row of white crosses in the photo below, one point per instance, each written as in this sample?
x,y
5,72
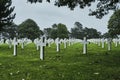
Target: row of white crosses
x,y
41,43
9,42
15,43
102,41
65,41
108,41
116,42
22,42
50,41
99,42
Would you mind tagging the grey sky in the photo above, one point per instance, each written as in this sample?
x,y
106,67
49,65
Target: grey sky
x,y
46,14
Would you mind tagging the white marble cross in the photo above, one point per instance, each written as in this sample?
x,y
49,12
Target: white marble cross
x,y
37,41
85,45
103,43
57,41
15,43
109,40
69,42
42,47
22,43
65,43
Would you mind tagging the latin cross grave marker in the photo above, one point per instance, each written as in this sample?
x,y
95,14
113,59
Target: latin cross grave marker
x,y
42,47
85,45
15,43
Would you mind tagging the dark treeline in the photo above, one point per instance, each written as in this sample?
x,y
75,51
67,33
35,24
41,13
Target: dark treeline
x,y
30,29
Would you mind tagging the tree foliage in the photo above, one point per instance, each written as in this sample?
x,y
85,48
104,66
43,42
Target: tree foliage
x,y
54,33
114,24
106,35
91,33
10,31
59,30
29,29
47,32
6,16
79,32
102,8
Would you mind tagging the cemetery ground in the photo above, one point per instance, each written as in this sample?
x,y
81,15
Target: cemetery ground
x,y
68,64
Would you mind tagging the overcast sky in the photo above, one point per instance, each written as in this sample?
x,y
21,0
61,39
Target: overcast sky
x,y
46,14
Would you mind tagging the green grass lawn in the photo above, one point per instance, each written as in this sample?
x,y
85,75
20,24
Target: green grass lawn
x,y
68,64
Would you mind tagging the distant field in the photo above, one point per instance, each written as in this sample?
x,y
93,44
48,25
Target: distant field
x,y
68,64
